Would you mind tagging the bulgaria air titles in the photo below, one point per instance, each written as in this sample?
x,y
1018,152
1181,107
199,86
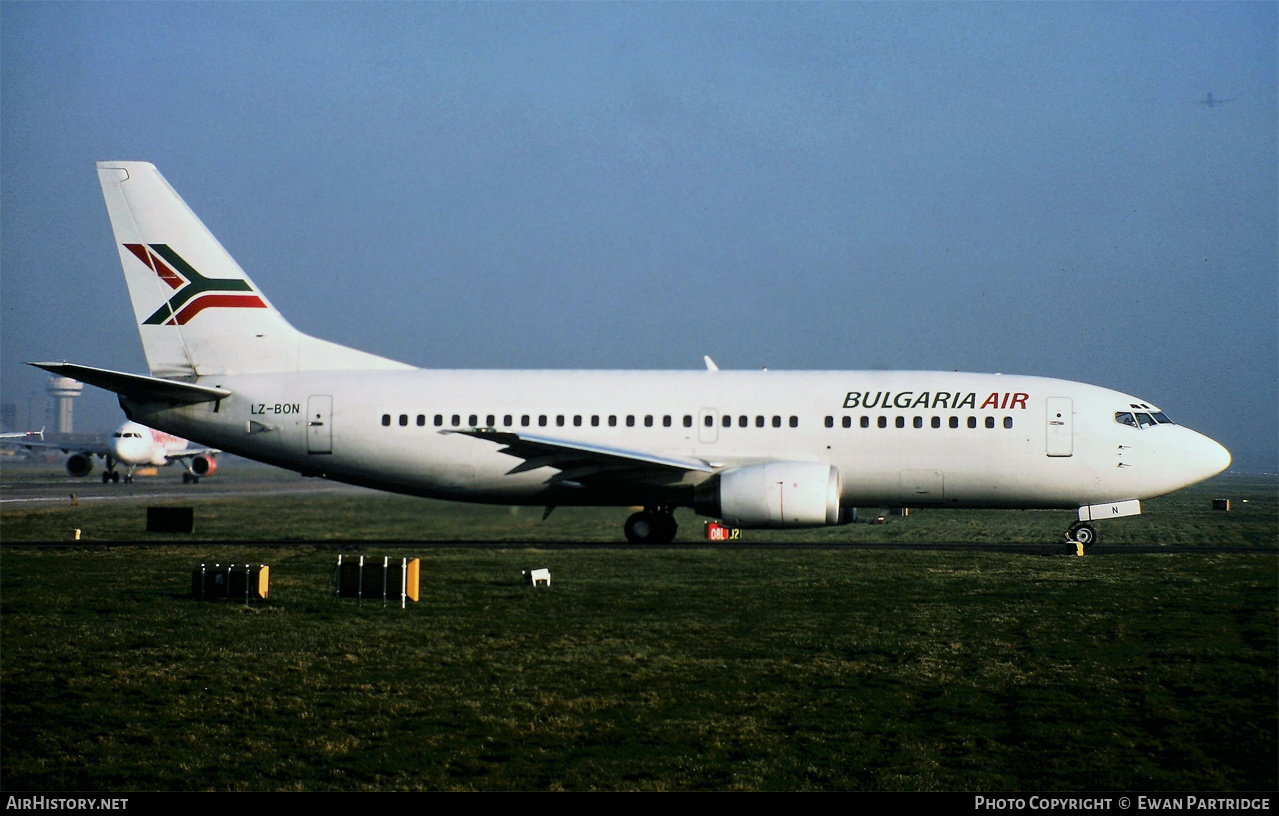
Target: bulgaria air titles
x,y
953,400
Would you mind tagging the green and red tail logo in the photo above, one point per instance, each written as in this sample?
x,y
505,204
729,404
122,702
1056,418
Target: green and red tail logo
x,y
194,292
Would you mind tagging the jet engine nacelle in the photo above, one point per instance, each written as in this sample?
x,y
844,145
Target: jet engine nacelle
x,y
203,465
80,464
773,494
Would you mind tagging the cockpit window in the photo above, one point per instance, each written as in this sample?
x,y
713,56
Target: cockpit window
x,y
1138,419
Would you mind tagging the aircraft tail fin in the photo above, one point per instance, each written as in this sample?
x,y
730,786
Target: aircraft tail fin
x,y
197,311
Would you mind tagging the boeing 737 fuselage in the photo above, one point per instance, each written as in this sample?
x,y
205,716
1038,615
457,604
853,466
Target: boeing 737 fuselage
x,y
754,448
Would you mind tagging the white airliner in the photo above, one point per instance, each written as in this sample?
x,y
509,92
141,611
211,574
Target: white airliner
x,y
133,445
754,448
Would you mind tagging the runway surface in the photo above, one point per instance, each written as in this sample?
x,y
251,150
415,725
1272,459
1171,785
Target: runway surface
x,y
31,482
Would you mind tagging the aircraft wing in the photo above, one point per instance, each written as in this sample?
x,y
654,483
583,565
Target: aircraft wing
x,y
98,448
579,461
174,456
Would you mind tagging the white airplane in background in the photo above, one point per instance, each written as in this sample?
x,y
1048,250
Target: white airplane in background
x,y
754,448
133,445
37,435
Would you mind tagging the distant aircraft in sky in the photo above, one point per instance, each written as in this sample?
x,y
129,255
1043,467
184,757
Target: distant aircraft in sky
x,y
133,445
1212,103
757,449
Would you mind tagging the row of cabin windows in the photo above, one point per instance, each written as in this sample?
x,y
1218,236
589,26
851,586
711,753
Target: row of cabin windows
x,y
577,420
726,420
917,422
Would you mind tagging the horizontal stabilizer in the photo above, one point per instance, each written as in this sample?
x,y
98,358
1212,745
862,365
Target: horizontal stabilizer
x,y
135,387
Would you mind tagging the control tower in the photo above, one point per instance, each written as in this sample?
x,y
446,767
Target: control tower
x,y
64,390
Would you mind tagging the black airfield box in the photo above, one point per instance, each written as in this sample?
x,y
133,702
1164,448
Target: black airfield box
x,y
236,582
170,519
384,578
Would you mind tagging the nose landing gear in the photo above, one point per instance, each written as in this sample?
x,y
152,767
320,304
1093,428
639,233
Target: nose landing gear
x,y
1082,533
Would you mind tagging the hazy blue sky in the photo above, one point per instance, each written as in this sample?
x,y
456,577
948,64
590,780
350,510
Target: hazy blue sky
x,y
1025,188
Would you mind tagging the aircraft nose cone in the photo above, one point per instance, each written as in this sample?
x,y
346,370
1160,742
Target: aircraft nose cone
x,y
1206,457
1219,458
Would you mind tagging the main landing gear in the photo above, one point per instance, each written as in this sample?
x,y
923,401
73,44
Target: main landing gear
x,y
652,526
1083,533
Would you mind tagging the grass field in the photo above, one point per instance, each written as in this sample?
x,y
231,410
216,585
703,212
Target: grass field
x,y
673,668
644,669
